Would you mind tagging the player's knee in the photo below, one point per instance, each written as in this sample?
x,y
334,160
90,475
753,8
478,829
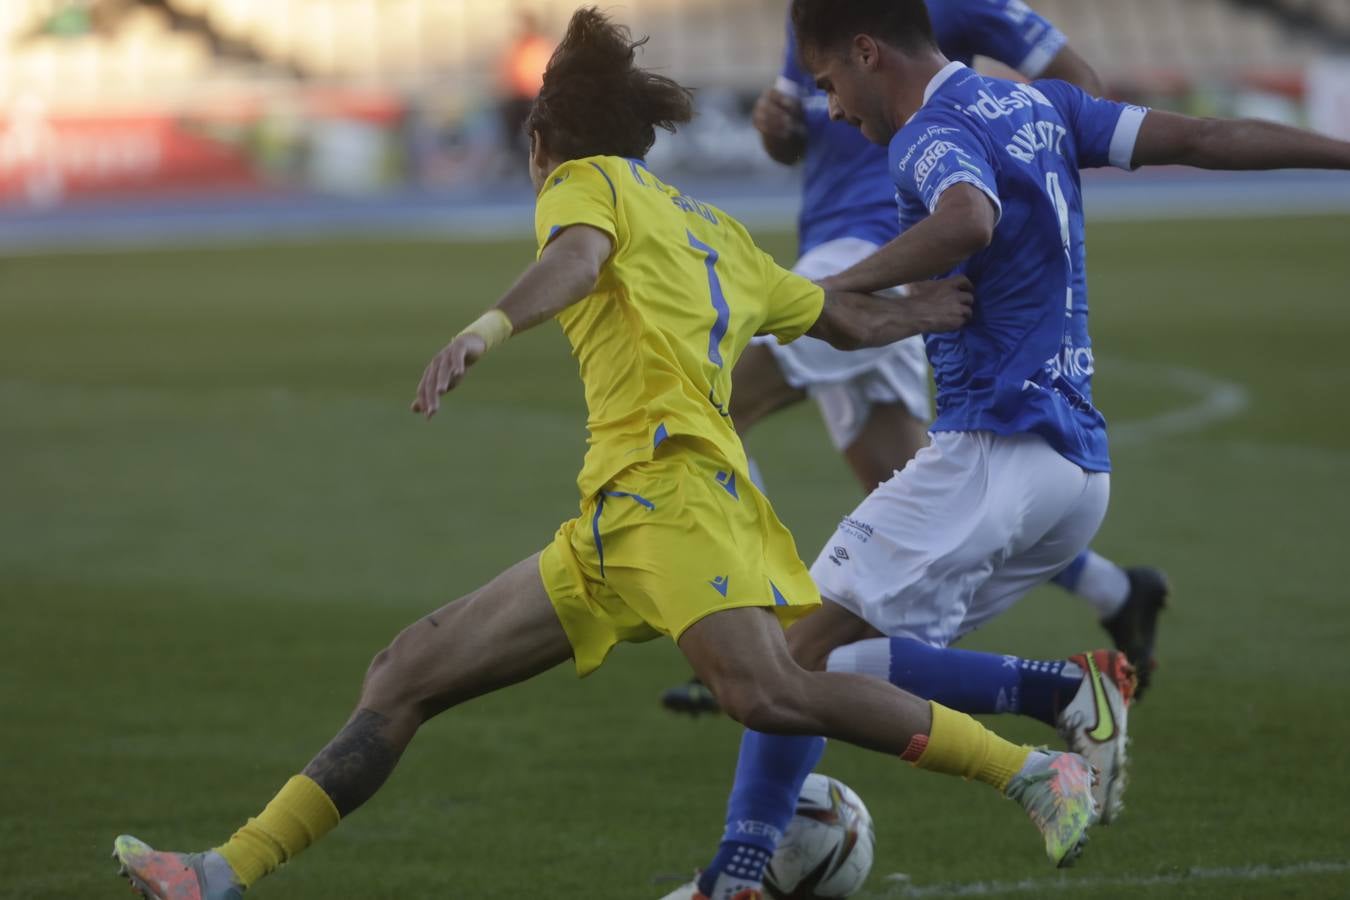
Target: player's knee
x,y
392,680
760,702
382,680
807,650
742,700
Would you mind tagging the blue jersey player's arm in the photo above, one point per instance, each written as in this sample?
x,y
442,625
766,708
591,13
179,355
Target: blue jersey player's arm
x,y
950,172
1012,33
1109,133
1234,144
777,115
1069,66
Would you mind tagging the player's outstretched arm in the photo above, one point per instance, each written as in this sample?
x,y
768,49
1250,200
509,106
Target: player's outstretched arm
x,y
851,321
1234,144
1069,66
962,224
565,273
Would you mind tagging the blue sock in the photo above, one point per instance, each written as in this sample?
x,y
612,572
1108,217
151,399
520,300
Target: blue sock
x,y
1068,579
1047,687
960,679
965,680
769,775
974,682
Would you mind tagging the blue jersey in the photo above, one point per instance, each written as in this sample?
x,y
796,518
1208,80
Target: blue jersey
x,y
846,190
1024,363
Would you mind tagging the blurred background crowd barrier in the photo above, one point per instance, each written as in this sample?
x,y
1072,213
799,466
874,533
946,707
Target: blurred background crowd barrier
x,y
109,99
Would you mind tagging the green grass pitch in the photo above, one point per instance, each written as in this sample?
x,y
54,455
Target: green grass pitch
x,y
215,507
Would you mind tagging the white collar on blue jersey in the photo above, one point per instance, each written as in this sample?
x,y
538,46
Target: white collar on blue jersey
x,y
941,78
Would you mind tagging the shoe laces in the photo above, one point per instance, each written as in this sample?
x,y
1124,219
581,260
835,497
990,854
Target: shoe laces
x,y
1042,793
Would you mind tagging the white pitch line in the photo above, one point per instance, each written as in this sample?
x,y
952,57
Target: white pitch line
x,y
1040,886
1216,401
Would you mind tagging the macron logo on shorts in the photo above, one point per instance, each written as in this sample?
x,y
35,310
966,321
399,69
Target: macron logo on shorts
x,y
720,584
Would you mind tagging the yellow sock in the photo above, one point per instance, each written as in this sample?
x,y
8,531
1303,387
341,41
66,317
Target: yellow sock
x,y
958,745
298,815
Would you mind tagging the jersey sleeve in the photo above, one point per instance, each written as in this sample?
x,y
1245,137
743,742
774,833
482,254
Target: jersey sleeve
x,y
1104,131
927,162
579,192
793,303
792,79
1005,30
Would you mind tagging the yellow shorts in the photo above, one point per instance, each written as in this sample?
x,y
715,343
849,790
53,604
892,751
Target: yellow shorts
x,y
667,542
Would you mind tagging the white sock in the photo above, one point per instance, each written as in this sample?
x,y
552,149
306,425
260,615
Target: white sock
x,y
1103,584
870,657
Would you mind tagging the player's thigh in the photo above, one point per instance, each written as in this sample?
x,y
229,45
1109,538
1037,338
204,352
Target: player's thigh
x,y
742,655
701,541
910,557
759,387
501,634
889,438
811,640
1036,564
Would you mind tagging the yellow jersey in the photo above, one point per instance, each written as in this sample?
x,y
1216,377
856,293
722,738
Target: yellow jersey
x,y
680,297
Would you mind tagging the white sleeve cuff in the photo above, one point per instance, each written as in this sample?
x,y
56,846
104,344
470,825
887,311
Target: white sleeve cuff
x,y
1040,57
787,86
1126,135
957,178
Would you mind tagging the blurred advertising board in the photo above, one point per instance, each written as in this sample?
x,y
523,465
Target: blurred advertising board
x,y
46,159
317,140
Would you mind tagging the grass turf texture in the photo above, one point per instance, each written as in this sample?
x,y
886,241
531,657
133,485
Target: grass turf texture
x,y
216,507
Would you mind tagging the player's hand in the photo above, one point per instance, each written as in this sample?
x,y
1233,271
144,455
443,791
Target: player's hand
x,y
777,116
445,371
939,306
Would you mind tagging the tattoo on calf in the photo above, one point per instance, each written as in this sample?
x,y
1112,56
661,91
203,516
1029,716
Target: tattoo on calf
x,y
356,762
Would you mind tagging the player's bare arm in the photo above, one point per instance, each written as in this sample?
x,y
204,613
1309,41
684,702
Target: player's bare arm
x,y
1069,66
778,119
961,226
851,321
1234,144
565,274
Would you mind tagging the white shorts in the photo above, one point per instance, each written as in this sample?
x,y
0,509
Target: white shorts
x,y
973,523
847,384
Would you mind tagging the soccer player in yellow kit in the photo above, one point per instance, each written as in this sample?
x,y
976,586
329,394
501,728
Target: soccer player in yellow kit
x,y
658,294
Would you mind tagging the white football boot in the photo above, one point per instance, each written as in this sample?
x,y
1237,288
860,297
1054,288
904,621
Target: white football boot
x,y
1094,724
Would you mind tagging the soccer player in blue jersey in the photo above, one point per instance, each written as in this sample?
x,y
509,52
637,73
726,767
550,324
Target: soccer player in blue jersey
x,y
1016,481
875,403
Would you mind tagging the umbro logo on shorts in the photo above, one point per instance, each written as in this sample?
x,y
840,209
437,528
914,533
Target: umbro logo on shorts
x,y
841,552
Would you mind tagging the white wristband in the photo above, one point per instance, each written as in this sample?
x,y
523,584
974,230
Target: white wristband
x,y
492,326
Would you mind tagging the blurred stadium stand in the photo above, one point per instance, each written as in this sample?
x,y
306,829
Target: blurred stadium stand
x,y
96,51
147,98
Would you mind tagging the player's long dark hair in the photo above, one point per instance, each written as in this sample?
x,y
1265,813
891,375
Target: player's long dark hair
x,y
596,102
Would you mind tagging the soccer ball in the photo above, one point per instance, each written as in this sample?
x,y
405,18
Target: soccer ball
x,y
828,849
